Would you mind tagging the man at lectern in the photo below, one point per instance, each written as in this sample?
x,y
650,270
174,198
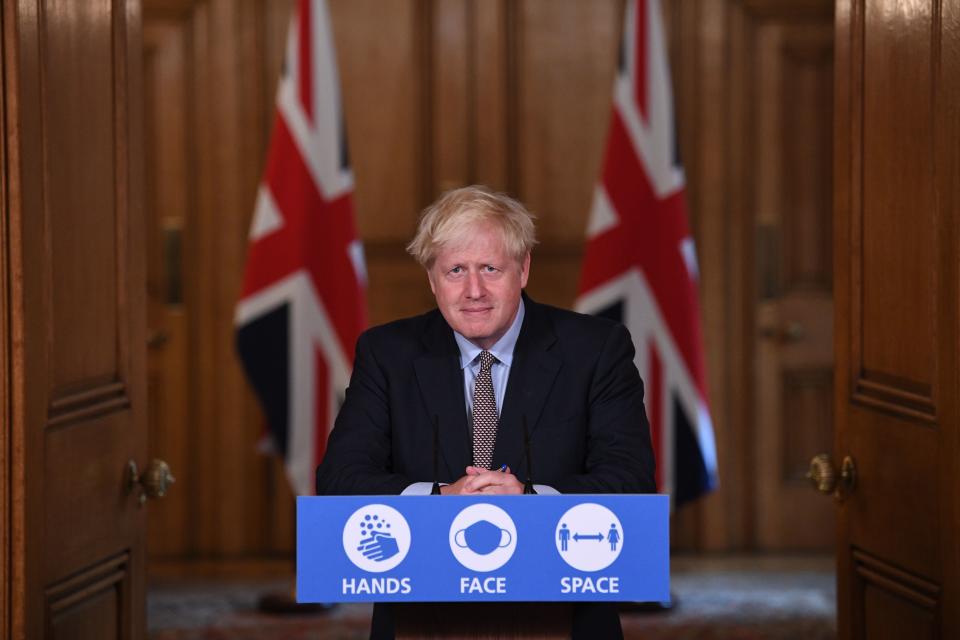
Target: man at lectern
x,y
468,393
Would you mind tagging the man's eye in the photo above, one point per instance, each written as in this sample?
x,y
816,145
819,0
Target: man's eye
x,y
456,270
489,268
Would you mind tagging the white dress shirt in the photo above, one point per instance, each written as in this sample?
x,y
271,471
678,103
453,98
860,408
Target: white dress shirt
x,y
502,350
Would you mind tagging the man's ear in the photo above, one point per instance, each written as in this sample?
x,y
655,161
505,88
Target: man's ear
x,y
525,270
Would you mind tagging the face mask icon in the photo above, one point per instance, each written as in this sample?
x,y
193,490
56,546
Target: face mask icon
x,y
482,537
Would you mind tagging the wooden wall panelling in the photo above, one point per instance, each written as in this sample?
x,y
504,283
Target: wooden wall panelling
x,y
380,50
241,521
717,101
681,26
452,91
788,168
560,141
276,529
240,507
203,419
386,57
704,47
732,263
476,91
235,501
11,484
168,202
491,88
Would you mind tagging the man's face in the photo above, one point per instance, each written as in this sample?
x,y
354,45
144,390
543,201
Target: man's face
x,y
477,285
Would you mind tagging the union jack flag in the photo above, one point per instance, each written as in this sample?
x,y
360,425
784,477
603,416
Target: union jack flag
x,y
302,304
640,267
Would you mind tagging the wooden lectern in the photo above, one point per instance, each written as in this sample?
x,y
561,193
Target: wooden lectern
x,y
490,567
474,620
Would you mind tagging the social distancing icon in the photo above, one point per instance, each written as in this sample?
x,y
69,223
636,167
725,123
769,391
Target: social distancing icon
x,y
589,537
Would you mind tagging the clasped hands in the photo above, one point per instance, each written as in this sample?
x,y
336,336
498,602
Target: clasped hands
x,y
478,480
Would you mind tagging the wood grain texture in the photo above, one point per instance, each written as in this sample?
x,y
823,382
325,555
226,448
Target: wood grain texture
x,y
897,364
899,190
560,141
437,94
166,45
491,92
75,285
384,51
81,205
232,501
7,549
790,195
946,114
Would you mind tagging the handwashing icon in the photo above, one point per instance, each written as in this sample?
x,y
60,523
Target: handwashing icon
x,y
482,537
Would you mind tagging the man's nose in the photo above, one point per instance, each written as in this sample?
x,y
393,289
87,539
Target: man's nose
x,y
474,285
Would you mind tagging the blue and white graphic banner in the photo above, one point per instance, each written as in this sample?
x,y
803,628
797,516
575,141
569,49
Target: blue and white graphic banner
x,y
494,548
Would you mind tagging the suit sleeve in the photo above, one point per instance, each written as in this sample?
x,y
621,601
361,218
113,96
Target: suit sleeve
x,y
619,456
358,455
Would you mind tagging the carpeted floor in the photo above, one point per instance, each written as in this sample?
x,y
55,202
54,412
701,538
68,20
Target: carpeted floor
x,y
741,598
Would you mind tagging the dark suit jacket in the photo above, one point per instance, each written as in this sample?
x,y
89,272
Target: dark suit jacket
x,y
572,380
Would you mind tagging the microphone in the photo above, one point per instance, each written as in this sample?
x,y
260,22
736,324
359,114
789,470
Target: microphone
x,y
435,491
528,489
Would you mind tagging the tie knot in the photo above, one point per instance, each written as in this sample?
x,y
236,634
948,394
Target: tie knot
x,y
486,360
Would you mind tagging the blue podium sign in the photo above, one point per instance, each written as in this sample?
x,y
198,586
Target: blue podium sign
x,y
472,548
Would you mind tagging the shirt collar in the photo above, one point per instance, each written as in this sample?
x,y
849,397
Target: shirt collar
x,y
502,350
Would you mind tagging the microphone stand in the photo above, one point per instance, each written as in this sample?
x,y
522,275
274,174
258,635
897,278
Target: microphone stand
x,y
528,489
435,491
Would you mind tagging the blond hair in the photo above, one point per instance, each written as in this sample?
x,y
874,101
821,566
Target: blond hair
x,y
456,213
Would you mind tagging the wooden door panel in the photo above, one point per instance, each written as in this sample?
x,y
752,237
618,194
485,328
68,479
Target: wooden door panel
x,y
894,327
894,513
81,166
84,481
893,292
72,73
897,323
93,604
892,604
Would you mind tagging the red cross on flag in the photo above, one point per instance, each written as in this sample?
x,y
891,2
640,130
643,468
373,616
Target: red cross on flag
x,y
640,267
302,304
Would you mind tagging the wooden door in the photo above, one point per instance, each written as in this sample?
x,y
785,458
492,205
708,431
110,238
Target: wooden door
x,y
789,125
167,187
75,279
897,170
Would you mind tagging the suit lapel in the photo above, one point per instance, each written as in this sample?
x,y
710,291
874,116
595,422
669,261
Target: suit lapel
x,y
532,374
441,385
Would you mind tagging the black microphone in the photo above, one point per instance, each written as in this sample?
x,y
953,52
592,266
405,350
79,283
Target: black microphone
x,y
528,489
435,491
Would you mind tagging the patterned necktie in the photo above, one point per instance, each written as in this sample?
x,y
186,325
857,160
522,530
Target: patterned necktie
x,y
484,414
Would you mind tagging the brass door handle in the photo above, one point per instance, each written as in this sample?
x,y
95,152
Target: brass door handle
x,y
153,482
824,479
157,339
